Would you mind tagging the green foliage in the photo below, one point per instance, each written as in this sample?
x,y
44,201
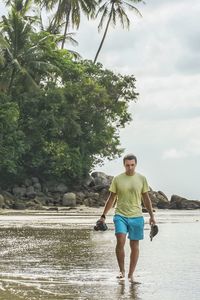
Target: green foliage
x,y
70,122
11,140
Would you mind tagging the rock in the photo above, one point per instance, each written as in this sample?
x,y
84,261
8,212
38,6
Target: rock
x,y
86,202
53,208
69,199
103,196
30,192
178,202
37,187
8,196
34,205
100,179
80,196
91,202
48,200
19,192
9,199
159,199
35,180
2,203
28,182
163,201
40,200
88,181
61,188
55,187
19,205
93,196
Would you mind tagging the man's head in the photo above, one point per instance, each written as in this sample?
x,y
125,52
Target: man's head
x,y
130,162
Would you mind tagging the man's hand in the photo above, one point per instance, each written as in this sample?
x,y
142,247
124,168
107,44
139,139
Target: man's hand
x,y
152,221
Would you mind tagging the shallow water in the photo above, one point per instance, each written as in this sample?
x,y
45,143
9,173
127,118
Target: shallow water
x,y
58,256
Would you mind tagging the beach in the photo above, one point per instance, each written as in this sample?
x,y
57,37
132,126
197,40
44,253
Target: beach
x,y
58,255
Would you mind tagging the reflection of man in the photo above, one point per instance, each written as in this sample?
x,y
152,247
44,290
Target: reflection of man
x,y
128,189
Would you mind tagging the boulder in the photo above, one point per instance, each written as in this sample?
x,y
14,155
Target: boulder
x,y
9,199
37,187
178,202
69,199
61,188
2,203
35,180
28,182
18,204
34,205
30,192
88,181
19,192
159,199
55,187
80,196
100,179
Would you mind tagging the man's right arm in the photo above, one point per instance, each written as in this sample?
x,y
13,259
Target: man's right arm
x,y
108,205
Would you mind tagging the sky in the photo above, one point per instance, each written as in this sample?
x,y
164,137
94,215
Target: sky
x,y
162,50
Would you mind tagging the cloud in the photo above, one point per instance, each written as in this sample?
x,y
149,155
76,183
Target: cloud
x,y
174,154
162,50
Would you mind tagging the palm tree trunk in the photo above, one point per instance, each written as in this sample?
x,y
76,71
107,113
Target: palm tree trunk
x,y
11,81
66,27
104,35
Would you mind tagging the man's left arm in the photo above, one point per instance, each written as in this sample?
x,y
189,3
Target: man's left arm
x,y
148,206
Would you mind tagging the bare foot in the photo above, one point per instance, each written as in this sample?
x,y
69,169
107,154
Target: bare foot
x,y
132,280
121,276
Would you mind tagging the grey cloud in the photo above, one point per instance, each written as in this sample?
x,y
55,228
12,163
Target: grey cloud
x,y
156,114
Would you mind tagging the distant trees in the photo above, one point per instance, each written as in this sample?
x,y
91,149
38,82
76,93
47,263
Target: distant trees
x,y
58,116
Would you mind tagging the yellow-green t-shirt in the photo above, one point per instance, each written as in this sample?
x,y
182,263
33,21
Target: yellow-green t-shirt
x,y
129,191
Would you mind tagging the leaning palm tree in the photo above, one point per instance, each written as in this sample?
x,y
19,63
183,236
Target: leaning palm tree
x,y
112,10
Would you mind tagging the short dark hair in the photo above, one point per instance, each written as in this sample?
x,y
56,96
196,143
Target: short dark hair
x,y
129,157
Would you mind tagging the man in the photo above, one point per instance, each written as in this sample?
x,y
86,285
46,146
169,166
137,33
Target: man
x,y
128,190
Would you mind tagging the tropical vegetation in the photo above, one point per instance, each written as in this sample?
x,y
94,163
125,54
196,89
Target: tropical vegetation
x,y
59,115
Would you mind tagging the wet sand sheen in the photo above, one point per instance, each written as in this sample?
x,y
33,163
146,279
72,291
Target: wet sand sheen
x,y
60,257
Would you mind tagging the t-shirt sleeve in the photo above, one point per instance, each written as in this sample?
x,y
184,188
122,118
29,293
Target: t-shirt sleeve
x,y
145,187
113,187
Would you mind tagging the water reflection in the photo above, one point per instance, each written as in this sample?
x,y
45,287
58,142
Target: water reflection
x,y
59,264
127,291
63,262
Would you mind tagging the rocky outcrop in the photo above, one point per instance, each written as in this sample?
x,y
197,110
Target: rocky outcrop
x,y
159,199
178,202
92,192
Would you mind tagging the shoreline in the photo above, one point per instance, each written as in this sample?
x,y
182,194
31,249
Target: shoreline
x,y
87,216
81,209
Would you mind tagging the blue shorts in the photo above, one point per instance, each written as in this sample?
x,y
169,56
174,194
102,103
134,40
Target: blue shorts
x,y
133,226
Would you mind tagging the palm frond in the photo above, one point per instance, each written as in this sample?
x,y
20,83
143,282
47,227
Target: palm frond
x,y
133,8
103,17
125,22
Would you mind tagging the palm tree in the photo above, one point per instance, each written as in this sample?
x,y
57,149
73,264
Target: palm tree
x,y
112,10
22,57
68,13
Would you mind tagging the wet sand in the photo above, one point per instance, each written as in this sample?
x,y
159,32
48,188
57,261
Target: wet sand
x,y
58,255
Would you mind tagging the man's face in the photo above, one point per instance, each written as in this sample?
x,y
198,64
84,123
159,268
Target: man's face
x,y
130,166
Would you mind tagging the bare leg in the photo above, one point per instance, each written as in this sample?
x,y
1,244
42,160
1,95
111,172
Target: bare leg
x,y
133,258
120,253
